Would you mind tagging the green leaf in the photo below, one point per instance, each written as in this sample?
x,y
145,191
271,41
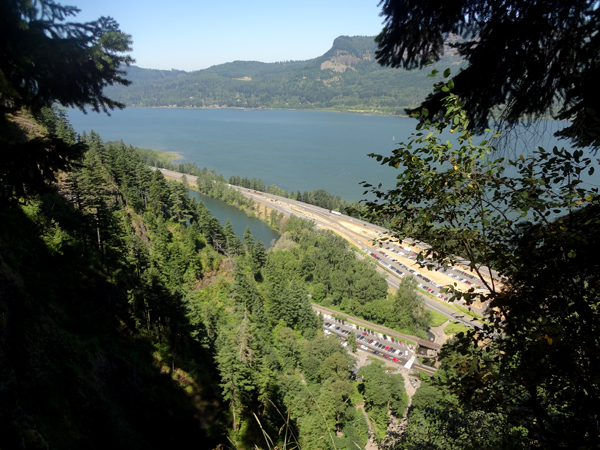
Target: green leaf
x,y
447,72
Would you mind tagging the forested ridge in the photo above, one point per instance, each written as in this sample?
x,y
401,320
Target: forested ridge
x,y
137,320
346,78
130,318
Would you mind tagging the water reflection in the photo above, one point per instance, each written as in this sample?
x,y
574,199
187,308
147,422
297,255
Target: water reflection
x,y
238,219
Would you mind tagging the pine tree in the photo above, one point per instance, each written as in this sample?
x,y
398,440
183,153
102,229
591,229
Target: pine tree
x,y
159,193
248,241
233,244
258,259
236,360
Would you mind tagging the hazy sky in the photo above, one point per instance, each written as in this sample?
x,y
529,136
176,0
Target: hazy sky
x,y
196,34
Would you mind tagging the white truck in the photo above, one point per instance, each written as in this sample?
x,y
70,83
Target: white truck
x,y
337,213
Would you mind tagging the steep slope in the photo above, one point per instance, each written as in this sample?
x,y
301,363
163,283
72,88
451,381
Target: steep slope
x,y
77,368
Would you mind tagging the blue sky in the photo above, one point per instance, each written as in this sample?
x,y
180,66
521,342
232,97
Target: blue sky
x,y
193,35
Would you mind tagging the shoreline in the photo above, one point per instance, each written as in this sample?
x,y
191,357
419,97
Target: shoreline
x,y
361,112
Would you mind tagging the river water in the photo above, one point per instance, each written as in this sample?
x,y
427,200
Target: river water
x,y
239,219
296,150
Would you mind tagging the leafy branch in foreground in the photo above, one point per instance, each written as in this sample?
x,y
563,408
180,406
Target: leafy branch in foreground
x,y
529,228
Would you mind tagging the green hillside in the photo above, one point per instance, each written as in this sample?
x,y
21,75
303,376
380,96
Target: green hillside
x,y
346,78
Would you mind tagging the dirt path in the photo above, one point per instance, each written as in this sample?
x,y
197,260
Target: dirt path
x,y
371,445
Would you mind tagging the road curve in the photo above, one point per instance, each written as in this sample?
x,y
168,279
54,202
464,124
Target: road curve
x,y
324,219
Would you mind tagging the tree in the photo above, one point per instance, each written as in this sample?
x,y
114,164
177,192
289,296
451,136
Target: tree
x,y
352,342
528,228
233,244
258,259
524,58
159,193
296,310
409,309
46,60
383,392
248,240
236,360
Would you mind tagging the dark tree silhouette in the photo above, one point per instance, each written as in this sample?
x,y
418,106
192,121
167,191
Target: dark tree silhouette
x,y
45,59
525,58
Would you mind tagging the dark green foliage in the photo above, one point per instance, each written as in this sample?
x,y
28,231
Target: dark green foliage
x,y
233,244
553,45
71,350
295,309
383,392
409,310
531,372
47,60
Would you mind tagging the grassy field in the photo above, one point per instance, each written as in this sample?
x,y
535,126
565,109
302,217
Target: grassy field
x,y
437,319
455,328
166,156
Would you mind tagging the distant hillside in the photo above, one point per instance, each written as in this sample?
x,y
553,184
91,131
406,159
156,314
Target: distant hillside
x,y
346,78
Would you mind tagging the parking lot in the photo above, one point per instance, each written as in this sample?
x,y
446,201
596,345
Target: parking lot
x,y
377,344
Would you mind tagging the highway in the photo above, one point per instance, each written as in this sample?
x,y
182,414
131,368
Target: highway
x,y
394,260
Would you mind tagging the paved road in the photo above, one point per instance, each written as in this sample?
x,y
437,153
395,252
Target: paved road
x,y
325,219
